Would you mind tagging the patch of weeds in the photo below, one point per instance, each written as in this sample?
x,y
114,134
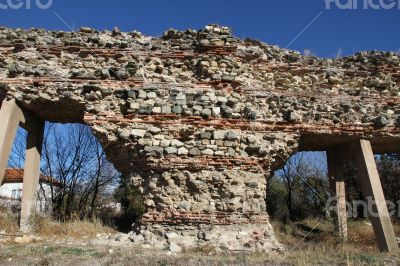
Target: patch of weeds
x,y
366,258
24,250
51,249
44,262
14,249
3,256
163,263
74,251
139,251
242,259
33,251
96,254
202,249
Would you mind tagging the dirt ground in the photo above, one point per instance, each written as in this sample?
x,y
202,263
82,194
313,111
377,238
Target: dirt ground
x,y
51,254
319,247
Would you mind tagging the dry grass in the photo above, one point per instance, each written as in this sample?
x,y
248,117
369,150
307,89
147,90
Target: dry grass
x,y
291,233
360,233
320,247
79,255
47,227
8,222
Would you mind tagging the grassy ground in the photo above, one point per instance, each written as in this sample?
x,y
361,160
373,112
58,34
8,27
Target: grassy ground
x,y
322,246
319,247
48,254
47,227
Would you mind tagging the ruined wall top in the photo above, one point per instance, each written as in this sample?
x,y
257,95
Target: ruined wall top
x,y
124,74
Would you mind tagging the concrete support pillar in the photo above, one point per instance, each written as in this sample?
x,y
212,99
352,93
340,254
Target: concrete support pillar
x,y
336,174
360,152
10,117
369,177
31,174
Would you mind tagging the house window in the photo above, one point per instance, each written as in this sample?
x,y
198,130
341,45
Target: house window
x,y
16,193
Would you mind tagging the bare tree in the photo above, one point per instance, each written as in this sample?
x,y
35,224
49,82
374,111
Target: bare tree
x,y
389,171
75,159
305,181
290,176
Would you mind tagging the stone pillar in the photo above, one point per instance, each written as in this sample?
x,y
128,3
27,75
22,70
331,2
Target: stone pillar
x,y
336,175
371,184
201,185
10,117
31,174
225,209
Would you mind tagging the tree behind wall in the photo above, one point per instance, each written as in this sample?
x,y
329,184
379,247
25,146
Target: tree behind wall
x,y
300,189
72,156
131,202
292,191
389,171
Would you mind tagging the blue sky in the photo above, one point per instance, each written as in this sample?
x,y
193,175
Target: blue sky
x,y
275,22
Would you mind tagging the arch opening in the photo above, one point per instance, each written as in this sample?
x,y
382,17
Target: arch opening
x,y
76,179
318,192
300,188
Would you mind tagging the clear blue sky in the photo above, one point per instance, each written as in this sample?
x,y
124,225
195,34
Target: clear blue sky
x,y
275,22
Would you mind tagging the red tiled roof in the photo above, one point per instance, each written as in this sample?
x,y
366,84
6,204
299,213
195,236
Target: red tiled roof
x,y
17,176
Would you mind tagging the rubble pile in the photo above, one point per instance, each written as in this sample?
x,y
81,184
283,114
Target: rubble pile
x,y
198,119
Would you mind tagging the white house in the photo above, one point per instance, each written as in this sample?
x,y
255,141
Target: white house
x,y
11,191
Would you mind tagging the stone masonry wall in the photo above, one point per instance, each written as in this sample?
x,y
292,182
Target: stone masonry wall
x,y
198,119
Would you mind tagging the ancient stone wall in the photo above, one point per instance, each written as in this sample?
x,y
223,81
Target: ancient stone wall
x,y
198,119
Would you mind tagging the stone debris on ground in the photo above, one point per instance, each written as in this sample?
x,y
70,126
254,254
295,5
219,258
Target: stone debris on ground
x,y
26,239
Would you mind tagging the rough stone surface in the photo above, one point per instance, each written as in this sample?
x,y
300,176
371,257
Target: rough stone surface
x,y
197,119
